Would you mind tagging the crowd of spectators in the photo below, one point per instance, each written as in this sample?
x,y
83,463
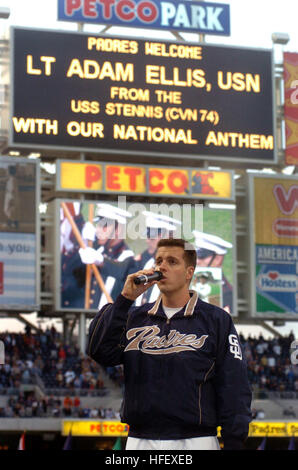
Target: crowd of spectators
x,y
67,374
28,405
45,356
269,364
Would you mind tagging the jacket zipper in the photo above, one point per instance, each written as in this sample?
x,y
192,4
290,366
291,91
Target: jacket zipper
x,y
200,387
161,362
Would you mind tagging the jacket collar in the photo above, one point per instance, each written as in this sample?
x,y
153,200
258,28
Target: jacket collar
x,y
189,308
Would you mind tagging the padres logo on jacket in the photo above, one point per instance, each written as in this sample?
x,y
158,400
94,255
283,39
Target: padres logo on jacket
x,y
146,339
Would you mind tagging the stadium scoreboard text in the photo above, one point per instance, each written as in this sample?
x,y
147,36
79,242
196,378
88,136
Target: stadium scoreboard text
x,y
207,18
121,95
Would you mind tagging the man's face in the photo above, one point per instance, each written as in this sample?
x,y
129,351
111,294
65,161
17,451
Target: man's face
x,y
170,261
104,232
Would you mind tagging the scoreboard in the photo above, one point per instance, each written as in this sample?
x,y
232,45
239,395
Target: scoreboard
x,y
83,92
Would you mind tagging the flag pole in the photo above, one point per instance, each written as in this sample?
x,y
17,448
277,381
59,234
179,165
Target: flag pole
x,y
21,445
88,267
82,245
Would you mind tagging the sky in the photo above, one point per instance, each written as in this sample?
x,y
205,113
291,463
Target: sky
x,y
252,25
252,22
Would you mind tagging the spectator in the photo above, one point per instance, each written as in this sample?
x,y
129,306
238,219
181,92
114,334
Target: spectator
x,y
69,377
61,352
59,379
26,376
77,382
260,414
76,402
44,405
109,414
94,413
67,402
289,412
276,348
271,361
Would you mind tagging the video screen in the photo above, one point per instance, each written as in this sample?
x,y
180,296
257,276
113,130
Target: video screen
x,y
121,239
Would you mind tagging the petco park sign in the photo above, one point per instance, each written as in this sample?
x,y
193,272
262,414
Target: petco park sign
x,y
189,16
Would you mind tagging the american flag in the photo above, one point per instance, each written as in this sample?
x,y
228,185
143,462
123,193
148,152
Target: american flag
x,y
22,442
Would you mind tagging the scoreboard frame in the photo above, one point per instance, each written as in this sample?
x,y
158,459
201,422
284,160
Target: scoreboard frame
x,y
175,147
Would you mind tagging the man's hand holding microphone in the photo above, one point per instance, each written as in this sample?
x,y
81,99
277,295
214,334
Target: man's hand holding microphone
x,y
137,283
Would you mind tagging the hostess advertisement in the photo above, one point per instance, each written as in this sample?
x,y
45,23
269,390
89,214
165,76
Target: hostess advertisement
x,y
276,246
196,17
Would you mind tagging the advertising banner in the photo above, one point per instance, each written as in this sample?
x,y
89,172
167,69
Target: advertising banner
x,y
100,243
273,429
94,428
144,180
291,106
207,17
140,97
116,428
19,240
276,245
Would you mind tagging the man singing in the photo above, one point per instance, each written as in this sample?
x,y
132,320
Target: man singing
x,y
184,370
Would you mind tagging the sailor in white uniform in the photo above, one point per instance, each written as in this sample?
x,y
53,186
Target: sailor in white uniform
x,y
202,286
115,260
211,251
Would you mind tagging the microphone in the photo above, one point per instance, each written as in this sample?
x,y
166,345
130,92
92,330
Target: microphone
x,y
143,278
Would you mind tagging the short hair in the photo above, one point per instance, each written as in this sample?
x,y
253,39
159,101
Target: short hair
x,y
190,254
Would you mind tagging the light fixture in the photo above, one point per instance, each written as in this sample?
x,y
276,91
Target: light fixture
x,y
34,155
43,206
280,38
288,170
48,167
4,12
268,170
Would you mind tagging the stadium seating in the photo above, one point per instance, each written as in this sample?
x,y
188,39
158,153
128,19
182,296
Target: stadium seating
x,y
41,372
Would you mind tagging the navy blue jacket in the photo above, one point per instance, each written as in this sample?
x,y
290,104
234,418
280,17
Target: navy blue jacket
x,y
183,377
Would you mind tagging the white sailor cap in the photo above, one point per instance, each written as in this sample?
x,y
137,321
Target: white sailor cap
x,y
108,212
202,274
208,244
159,223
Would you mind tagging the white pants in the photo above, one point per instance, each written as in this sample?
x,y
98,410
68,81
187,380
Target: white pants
x,y
194,443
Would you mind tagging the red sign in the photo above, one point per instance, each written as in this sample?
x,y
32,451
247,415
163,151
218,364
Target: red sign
x,y
144,179
291,106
